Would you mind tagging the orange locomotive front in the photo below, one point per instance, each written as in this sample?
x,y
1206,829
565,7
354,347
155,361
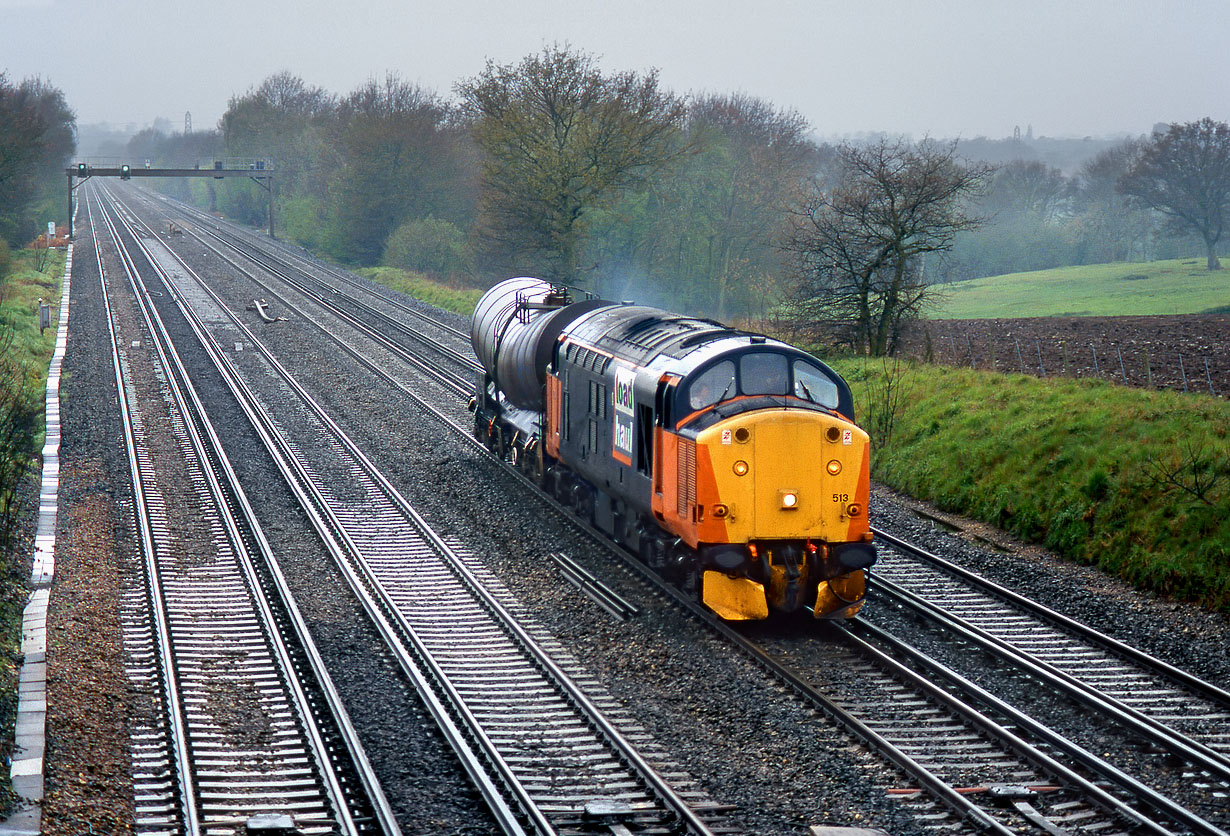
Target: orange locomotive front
x,y
775,503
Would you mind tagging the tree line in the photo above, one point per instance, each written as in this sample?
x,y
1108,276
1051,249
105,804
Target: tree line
x,y
37,138
1143,199
719,204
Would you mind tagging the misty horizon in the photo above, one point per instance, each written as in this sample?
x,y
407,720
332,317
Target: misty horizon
x,y
944,68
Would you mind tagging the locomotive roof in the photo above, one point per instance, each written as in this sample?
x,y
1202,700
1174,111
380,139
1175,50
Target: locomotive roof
x,y
654,338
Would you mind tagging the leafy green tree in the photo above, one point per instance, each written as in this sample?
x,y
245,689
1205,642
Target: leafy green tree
x,y
1112,227
562,140
398,158
286,120
428,245
1184,173
706,234
1027,209
858,245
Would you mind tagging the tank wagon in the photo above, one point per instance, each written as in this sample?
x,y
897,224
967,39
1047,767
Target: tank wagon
x,y
726,460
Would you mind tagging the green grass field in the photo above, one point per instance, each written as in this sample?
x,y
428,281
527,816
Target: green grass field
x,y
1179,286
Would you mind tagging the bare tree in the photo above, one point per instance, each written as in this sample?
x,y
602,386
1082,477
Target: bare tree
x,y
858,245
561,140
1184,173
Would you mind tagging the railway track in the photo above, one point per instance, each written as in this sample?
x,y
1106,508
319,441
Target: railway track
x,y
350,299
546,755
1171,721
947,747
240,718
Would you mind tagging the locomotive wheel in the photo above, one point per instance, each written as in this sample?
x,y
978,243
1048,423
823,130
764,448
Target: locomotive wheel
x,y
583,503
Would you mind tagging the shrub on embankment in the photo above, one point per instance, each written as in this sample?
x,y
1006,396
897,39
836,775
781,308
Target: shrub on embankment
x,y
414,284
1134,482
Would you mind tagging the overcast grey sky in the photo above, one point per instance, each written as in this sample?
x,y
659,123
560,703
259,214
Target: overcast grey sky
x,y
940,67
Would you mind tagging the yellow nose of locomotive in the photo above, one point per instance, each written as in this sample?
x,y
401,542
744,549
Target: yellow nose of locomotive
x,y
788,475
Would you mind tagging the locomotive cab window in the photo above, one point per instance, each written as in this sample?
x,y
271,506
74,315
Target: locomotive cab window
x,y
712,385
763,373
810,383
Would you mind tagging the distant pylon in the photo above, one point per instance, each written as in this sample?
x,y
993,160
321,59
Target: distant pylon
x,y
187,122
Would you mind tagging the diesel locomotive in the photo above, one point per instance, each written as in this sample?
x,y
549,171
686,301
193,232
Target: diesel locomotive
x,y
726,460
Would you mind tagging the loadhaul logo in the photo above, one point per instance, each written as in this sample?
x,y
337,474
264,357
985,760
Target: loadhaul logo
x,y
622,395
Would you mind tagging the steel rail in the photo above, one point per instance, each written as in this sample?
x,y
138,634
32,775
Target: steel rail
x,y
596,717
654,780
181,758
1204,688
380,611
1190,750
209,448
1099,766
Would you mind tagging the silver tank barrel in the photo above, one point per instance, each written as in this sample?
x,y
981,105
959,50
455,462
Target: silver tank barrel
x,y
514,328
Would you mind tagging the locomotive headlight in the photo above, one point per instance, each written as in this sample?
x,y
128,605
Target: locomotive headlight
x,y
740,468
854,509
790,500
833,467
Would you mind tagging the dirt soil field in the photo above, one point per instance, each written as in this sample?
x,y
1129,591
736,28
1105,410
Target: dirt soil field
x,y
1136,350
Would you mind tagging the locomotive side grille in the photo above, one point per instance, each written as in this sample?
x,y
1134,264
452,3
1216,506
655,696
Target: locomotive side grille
x,y
687,476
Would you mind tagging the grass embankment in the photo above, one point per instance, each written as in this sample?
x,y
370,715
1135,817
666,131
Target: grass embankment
x,y
460,301
23,373
1134,482
19,295
1178,286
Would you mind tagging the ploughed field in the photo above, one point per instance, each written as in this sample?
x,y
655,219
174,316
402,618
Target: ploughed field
x,y
1157,351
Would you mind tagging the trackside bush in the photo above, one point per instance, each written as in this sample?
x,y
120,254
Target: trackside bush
x,y
428,245
1132,481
